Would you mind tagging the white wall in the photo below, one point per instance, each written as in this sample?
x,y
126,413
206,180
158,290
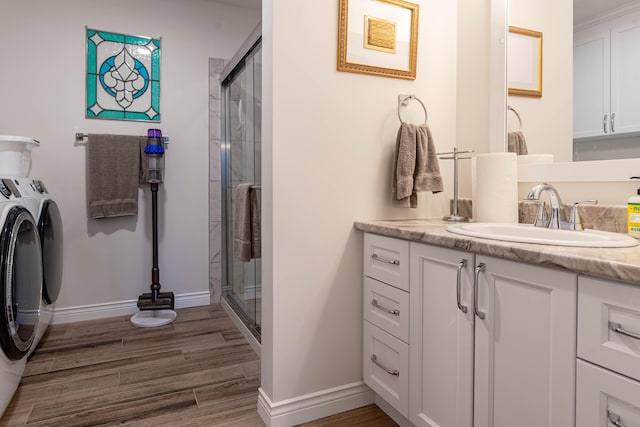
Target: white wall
x,y
547,122
328,139
42,82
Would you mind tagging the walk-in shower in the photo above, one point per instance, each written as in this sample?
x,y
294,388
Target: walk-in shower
x,y
240,162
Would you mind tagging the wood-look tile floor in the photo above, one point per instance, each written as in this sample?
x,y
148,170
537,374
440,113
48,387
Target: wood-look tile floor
x,y
197,371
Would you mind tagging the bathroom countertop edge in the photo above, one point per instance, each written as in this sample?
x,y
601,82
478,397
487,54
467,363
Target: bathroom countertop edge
x,y
610,263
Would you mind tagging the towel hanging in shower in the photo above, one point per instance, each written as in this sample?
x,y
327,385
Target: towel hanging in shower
x,y
247,227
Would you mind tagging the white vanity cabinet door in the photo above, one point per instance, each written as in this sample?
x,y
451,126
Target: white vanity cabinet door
x,y
387,307
387,259
525,346
386,367
441,335
603,396
602,306
591,83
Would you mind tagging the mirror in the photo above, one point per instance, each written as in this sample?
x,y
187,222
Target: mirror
x,y
548,122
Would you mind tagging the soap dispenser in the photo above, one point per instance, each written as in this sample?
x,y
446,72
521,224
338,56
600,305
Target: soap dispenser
x,y
633,213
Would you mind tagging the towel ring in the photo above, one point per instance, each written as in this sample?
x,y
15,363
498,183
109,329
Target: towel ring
x,y
510,108
403,102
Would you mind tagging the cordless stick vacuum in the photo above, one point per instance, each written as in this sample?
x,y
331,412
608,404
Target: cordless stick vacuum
x,y
156,307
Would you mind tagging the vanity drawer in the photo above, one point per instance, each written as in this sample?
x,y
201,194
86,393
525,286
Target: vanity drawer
x,y
387,307
605,305
603,396
386,367
387,260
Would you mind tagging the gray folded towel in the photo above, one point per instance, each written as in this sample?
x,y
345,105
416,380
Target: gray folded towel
x,y
516,143
113,175
246,227
415,165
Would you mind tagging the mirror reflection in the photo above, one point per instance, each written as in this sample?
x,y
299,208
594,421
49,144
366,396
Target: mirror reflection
x,y
590,104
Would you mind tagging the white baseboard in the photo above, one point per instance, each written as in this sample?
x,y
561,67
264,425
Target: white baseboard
x,y
122,308
313,406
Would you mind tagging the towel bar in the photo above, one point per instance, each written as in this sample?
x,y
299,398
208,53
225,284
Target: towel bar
x,y
403,101
455,156
80,137
510,108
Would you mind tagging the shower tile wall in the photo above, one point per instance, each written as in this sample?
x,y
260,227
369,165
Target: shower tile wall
x,y
215,197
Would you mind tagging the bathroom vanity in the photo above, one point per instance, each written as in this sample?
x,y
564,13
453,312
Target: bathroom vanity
x,y
463,331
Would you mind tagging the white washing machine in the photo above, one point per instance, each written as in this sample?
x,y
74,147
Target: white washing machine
x,y
20,282
49,220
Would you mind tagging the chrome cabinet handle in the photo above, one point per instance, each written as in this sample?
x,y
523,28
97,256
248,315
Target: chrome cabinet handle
x,y
374,303
604,123
461,265
480,268
613,122
617,327
387,260
614,419
394,372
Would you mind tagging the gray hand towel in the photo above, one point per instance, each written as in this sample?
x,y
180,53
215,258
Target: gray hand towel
x,y
415,165
516,143
246,227
113,174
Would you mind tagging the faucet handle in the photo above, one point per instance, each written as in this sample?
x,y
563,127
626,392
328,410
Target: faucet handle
x,y
575,222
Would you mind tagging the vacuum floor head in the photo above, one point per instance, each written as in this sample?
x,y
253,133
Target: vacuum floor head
x,y
164,301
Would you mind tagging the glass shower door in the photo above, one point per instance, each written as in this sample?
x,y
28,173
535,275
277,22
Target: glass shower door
x,y
241,160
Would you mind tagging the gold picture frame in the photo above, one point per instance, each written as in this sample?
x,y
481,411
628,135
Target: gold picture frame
x,y
378,37
524,62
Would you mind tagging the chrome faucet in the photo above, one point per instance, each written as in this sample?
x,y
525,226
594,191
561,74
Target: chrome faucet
x,y
557,219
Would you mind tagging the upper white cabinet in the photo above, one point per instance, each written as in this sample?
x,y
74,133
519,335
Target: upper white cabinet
x,y
591,88
606,78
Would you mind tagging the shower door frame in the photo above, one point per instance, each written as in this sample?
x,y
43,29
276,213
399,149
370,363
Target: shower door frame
x,y
230,71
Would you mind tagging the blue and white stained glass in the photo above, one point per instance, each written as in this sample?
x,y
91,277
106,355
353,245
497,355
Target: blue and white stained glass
x,y
123,77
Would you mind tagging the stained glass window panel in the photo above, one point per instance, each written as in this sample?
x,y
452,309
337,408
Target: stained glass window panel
x,y
123,77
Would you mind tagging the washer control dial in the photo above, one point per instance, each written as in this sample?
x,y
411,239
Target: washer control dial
x,y
4,190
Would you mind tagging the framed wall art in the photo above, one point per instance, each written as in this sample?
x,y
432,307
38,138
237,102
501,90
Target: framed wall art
x,y
123,77
378,37
524,62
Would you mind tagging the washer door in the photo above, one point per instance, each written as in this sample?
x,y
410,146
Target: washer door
x,y
50,229
21,282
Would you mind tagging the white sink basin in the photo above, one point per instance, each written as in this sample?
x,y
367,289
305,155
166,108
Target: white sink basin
x,y
526,233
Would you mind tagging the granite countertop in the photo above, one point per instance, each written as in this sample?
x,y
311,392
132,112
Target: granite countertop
x,y
610,263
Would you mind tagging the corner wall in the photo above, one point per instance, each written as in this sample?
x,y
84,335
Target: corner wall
x,y
328,140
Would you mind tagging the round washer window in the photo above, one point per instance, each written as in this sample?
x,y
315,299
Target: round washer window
x,y
21,279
